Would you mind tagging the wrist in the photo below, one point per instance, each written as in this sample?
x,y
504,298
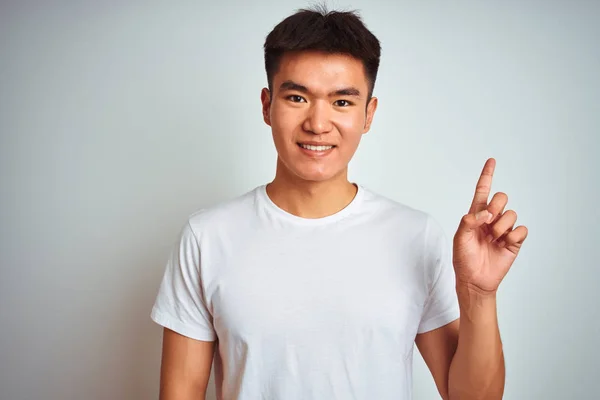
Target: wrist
x,y
471,290
476,304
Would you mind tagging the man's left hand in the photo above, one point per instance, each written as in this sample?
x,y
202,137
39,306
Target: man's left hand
x,y
486,243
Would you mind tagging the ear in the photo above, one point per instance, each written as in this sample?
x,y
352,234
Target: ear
x,y
371,107
265,98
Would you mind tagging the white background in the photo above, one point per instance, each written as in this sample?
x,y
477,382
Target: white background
x,y
118,120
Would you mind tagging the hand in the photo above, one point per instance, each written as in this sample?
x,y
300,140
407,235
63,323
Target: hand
x,y
485,244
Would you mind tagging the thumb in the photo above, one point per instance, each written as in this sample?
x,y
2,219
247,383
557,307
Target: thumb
x,y
470,222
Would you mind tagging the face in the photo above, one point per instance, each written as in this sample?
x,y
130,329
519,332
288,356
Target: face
x,y
318,113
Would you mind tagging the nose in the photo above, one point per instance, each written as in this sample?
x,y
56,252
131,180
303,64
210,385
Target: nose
x,y
318,119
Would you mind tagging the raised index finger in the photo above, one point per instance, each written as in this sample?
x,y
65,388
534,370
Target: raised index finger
x,y
484,185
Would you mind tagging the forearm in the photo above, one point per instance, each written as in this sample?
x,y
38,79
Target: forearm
x,y
477,368
182,392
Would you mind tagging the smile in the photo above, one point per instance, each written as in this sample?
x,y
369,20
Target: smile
x,y
315,148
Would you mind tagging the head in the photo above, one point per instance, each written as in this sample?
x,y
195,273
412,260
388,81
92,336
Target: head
x,y
321,69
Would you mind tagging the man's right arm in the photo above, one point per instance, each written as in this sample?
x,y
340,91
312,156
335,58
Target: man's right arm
x,y
185,367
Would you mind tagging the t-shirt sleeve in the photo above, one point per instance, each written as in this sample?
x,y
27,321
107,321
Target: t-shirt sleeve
x,y
441,306
180,304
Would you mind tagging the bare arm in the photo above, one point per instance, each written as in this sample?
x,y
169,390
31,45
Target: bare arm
x,y
438,348
485,247
477,369
185,367
465,357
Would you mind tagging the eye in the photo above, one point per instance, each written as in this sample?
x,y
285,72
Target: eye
x,y
343,103
295,98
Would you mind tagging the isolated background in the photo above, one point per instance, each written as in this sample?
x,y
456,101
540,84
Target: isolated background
x,y
119,119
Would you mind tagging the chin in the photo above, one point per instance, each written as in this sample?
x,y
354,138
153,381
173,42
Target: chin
x,y
317,176
310,171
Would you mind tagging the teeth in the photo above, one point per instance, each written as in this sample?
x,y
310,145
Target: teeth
x,y
315,148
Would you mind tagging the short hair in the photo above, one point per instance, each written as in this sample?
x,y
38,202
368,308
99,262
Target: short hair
x,y
334,32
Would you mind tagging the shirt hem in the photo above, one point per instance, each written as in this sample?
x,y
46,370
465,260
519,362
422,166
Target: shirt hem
x,y
175,325
439,321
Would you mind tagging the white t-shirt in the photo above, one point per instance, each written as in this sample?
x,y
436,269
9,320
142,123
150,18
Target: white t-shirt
x,y
309,309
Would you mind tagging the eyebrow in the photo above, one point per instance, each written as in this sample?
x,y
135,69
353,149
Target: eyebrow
x,y
291,85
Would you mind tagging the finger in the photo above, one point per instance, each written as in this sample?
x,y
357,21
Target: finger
x,y
470,222
497,204
484,185
504,224
514,239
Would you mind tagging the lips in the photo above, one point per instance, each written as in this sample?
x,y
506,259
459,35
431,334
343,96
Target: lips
x,y
315,147
316,150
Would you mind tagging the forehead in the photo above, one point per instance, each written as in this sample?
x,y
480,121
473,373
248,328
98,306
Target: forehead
x,y
321,71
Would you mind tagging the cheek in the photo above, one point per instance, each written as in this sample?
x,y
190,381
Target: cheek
x,y
284,119
351,127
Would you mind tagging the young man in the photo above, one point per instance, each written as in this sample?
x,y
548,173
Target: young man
x,y
313,287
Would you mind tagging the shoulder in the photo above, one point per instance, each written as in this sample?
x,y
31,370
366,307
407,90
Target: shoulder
x,y
395,211
415,226
223,215
413,232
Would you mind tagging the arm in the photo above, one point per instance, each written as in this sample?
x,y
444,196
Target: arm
x,y
188,335
477,368
437,347
465,357
185,367
468,355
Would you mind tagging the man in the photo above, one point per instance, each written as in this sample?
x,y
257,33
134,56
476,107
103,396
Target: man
x,y
313,287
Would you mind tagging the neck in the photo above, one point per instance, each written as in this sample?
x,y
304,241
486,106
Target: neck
x,y
310,199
